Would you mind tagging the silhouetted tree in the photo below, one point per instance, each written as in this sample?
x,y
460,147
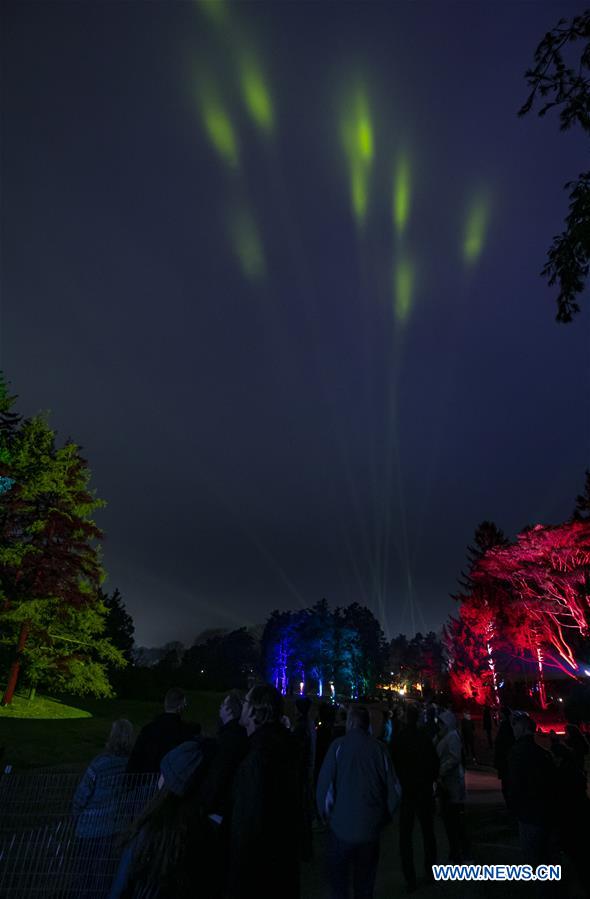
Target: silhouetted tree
x,y
564,84
582,510
119,627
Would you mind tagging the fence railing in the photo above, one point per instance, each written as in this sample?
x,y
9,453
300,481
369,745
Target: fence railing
x,y
49,849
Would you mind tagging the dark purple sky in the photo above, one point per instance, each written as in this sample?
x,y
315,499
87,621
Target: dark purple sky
x,y
249,433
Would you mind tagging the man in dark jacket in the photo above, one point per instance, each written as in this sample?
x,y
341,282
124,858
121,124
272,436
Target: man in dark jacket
x,y
266,814
161,735
416,764
532,792
357,793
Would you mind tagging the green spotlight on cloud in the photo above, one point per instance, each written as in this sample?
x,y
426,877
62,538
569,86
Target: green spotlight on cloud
x,y
475,231
256,94
401,195
248,245
356,131
219,128
216,10
403,289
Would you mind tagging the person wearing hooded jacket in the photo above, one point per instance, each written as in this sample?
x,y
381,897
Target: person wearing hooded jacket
x,y
451,785
357,793
163,857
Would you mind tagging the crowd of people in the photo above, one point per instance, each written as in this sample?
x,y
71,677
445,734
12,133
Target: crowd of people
x,y
235,813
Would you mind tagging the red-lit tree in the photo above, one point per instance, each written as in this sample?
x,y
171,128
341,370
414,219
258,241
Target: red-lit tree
x,y
484,603
470,676
546,574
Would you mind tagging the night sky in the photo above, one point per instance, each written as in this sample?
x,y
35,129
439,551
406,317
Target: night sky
x,y
276,268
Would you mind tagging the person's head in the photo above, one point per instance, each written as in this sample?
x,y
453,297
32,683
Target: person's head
x,y
522,725
263,705
412,715
175,701
358,718
178,767
121,738
467,716
231,707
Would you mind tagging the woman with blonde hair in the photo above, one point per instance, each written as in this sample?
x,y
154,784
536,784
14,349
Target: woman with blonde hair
x,y
97,808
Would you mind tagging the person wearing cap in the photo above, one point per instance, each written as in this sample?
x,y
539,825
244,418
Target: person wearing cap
x,y
162,858
532,792
451,785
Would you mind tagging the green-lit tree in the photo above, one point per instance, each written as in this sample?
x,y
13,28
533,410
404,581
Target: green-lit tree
x,y
50,569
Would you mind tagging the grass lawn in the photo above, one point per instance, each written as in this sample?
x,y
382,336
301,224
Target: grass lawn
x,y
69,731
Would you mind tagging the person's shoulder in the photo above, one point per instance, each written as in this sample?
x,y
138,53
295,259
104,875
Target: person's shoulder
x,y
106,762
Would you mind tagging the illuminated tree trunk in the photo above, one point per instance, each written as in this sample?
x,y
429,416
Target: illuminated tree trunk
x,y
15,667
283,669
541,682
492,665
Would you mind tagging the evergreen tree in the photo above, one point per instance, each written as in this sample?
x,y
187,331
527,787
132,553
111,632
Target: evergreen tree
x,y
582,510
373,659
118,624
50,567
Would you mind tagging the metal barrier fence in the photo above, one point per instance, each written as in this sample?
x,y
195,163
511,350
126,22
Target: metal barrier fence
x,y
48,849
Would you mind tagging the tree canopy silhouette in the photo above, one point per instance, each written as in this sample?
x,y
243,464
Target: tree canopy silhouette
x,y
560,80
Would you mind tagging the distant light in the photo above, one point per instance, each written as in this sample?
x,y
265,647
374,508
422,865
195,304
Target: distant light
x,y
5,484
560,699
587,672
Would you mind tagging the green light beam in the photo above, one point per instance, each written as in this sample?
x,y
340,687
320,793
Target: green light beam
x,y
403,290
475,230
218,126
356,132
401,195
255,93
248,245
